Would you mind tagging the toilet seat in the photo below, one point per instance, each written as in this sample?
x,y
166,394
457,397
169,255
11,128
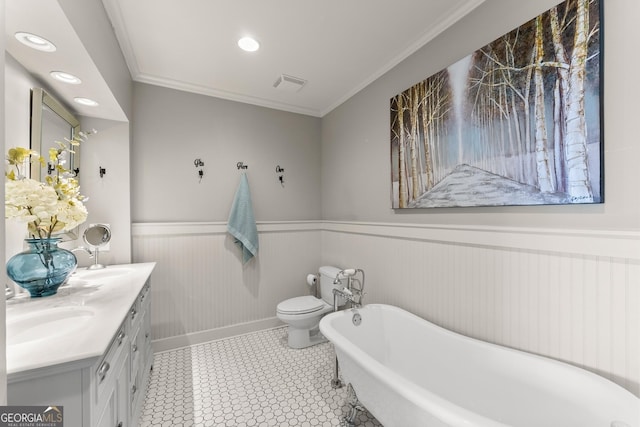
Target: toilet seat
x,y
301,305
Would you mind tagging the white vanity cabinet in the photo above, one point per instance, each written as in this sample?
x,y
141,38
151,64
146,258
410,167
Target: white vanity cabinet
x,y
141,352
110,408
123,374
104,390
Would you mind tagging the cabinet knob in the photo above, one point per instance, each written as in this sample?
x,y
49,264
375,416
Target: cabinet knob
x,y
119,424
121,336
102,372
135,348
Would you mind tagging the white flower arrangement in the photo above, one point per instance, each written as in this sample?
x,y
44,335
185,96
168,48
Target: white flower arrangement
x,y
48,207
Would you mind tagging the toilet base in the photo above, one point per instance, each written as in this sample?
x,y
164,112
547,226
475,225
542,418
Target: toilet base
x,y
302,338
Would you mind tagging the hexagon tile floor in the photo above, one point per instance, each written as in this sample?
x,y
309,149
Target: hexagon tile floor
x,y
248,380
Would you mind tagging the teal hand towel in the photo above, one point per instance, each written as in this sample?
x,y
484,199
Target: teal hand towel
x,y
242,224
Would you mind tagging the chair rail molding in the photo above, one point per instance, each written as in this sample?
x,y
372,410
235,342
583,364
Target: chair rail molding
x,y
610,243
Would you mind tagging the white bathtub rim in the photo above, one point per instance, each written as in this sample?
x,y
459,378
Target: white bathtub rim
x,y
442,408
521,353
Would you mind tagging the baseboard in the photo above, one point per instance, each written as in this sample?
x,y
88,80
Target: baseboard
x,y
186,340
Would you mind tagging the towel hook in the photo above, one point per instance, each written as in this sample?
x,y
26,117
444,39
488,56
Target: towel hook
x,y
280,172
198,163
241,165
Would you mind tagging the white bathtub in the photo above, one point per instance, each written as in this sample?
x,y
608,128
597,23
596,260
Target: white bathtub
x,y
409,372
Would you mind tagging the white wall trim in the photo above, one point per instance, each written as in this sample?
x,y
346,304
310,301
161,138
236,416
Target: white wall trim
x,y
200,337
219,227
609,243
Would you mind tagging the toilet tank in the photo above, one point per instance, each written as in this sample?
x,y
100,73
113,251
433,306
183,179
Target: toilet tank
x,y
327,276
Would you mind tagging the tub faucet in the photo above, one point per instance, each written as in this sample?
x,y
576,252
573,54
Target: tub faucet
x,y
354,296
336,293
354,291
342,274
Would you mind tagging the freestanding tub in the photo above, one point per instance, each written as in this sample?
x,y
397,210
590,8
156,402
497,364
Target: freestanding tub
x,y
409,372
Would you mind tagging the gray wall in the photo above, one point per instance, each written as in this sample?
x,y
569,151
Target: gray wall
x,y
109,199
173,128
355,136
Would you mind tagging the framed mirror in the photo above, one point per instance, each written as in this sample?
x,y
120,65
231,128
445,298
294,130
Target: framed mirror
x,y
51,122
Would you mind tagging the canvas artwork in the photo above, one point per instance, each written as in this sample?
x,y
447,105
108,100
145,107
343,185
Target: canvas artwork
x,y
517,122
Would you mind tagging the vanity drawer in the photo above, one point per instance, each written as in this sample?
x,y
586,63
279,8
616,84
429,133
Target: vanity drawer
x,y
104,374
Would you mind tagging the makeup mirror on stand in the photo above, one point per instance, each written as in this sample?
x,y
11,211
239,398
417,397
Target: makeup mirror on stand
x,y
97,236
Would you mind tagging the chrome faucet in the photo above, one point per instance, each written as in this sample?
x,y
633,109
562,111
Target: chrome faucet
x,y
337,293
347,273
354,296
350,292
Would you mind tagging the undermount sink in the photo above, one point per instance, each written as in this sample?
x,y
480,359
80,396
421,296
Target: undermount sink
x,y
104,273
46,324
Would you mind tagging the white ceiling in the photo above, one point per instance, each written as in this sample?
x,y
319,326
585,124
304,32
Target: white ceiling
x,y
338,46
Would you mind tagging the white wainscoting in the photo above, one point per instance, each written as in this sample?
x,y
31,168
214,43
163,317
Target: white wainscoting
x,y
573,295
570,295
201,291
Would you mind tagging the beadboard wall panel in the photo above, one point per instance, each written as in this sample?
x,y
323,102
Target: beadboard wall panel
x,y
200,284
582,309
570,295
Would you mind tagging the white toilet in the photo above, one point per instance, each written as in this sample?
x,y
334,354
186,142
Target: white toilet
x,y
303,314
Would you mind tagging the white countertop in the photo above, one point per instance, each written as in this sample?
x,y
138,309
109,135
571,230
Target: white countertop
x,y
75,325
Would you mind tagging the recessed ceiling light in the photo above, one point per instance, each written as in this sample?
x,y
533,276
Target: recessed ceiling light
x,y
248,44
35,42
86,101
65,77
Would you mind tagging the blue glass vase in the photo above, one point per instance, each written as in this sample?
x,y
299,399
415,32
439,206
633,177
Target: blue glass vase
x,y
43,267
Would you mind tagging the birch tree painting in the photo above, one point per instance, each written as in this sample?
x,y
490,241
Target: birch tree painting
x,y
517,122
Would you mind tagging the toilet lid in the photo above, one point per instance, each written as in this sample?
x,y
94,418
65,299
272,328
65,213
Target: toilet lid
x,y
300,305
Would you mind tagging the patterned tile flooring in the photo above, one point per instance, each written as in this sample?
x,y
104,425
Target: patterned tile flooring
x,y
248,380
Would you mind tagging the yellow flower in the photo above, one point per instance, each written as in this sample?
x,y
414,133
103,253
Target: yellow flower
x,y
18,155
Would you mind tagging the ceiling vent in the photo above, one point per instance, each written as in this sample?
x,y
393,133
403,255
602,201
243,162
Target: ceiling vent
x,y
289,83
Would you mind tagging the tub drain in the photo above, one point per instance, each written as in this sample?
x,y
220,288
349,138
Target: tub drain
x,y
356,319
